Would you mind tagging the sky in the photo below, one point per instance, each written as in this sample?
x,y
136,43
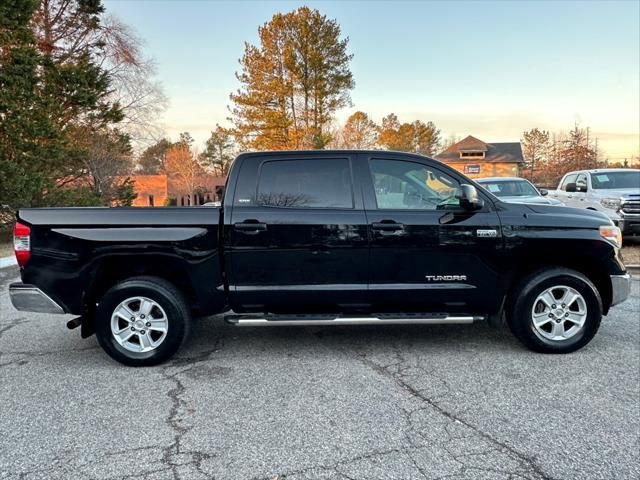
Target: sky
x,y
488,69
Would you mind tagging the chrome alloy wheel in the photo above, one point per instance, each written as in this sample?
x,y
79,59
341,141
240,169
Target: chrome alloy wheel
x,y
139,324
558,313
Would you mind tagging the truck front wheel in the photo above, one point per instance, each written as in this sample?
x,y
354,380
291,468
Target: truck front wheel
x,y
555,310
142,321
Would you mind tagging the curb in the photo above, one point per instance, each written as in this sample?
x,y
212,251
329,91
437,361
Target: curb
x,y
8,261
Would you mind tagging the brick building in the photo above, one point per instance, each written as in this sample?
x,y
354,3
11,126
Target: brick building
x,y
477,159
161,190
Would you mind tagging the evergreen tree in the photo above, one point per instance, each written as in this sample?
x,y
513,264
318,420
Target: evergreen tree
x,y
292,82
220,150
152,159
30,145
54,108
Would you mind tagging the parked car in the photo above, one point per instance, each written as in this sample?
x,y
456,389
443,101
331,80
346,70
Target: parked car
x,y
323,238
517,190
613,191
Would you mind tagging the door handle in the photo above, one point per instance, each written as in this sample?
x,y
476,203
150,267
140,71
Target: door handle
x,y
387,226
250,227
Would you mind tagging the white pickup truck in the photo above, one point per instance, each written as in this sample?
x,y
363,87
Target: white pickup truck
x,y
614,191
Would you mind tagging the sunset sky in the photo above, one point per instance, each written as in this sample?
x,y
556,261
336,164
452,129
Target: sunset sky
x,y
490,69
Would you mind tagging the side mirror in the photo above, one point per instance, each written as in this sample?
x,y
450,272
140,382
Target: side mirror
x,y
571,187
544,192
468,196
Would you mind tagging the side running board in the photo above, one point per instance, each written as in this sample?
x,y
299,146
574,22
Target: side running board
x,y
318,320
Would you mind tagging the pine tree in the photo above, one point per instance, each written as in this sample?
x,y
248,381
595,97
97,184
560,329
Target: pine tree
x,y
220,150
152,159
30,146
50,107
292,82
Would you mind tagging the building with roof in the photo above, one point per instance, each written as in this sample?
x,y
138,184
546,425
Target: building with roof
x,y
477,159
162,190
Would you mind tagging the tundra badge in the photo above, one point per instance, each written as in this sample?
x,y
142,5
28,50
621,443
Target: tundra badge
x,y
446,278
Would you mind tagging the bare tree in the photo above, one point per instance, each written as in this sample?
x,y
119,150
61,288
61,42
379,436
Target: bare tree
x,y
535,144
107,161
183,166
359,132
140,97
450,141
68,29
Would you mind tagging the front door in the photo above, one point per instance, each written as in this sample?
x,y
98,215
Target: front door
x,y
568,198
580,195
298,239
428,254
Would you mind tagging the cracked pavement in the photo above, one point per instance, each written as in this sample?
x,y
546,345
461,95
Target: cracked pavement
x,y
386,402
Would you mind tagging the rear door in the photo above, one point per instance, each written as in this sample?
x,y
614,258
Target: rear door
x,y
298,235
427,254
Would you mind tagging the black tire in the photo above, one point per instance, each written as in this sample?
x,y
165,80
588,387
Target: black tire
x,y
163,293
521,303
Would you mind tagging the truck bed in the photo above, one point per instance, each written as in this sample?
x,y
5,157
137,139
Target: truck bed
x,y
78,248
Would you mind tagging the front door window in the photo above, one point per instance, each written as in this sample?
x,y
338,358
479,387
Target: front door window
x,y
402,185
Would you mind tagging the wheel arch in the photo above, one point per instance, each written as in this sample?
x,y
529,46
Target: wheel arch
x,y
585,265
195,281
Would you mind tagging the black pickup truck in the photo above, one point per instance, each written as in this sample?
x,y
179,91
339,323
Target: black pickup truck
x,y
323,238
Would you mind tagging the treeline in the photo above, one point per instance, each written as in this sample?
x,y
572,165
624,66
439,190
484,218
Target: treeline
x,y
292,84
76,96
79,104
358,132
548,156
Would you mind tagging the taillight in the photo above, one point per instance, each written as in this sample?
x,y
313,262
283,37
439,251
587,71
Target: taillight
x,y
22,243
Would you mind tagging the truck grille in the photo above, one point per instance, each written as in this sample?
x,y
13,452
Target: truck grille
x,y
631,206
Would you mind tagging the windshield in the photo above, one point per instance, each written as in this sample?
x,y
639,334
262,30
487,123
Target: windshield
x,y
609,180
511,188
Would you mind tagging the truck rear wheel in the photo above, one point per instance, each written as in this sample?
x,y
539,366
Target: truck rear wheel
x,y
142,321
555,310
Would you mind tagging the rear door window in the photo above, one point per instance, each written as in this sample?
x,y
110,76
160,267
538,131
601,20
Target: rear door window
x,y
322,183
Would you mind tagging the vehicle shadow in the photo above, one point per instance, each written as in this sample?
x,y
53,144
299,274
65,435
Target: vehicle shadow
x,y
213,334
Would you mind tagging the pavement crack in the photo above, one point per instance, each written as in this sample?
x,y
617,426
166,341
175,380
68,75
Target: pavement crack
x,y
400,381
175,455
332,467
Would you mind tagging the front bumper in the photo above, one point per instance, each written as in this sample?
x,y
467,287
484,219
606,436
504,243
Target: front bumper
x,y
29,298
629,224
620,288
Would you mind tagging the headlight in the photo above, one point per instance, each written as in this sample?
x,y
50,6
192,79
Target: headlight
x,y
611,233
612,203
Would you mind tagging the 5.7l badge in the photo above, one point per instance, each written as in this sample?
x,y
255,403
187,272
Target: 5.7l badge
x,y
490,233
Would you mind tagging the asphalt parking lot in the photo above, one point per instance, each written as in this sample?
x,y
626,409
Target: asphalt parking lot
x,y
400,402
